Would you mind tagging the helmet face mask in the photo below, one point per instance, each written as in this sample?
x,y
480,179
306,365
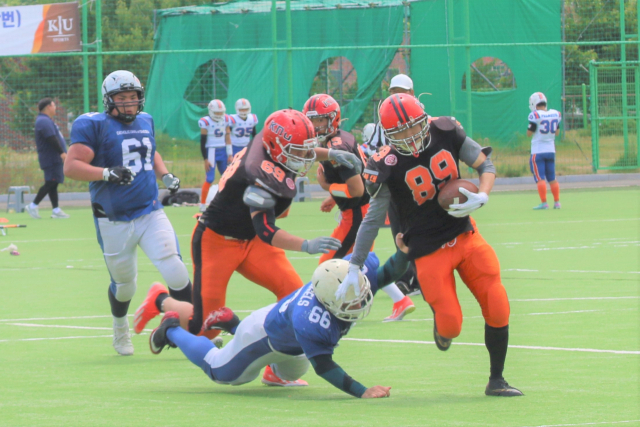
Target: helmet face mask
x,y
323,106
122,82
405,124
326,280
243,108
217,110
290,140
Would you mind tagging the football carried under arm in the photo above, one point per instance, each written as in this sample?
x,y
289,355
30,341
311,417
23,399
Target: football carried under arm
x,y
329,370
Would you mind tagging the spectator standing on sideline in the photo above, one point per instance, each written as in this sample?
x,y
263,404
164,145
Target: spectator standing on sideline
x,y
52,151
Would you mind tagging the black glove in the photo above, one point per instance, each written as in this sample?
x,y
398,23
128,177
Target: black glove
x,y
171,182
118,175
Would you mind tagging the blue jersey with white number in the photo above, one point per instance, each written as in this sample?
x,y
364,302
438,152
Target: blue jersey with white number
x,y
299,323
118,144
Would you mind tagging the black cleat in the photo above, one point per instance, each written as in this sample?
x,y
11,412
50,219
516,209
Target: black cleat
x,y
500,387
442,343
223,319
158,339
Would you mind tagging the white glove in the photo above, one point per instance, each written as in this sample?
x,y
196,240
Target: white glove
x,y
352,279
171,182
346,159
474,201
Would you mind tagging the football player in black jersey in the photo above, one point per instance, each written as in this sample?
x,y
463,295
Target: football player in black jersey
x,y
423,156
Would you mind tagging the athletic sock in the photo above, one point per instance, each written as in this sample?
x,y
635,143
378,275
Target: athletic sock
x,y
393,291
497,341
160,299
195,348
542,190
33,205
56,210
120,322
205,192
555,189
183,294
118,308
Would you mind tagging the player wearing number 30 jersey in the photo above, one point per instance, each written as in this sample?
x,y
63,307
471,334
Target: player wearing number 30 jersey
x,y
422,158
116,151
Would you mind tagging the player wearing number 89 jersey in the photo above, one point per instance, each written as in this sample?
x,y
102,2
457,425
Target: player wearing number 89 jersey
x,y
112,149
543,127
423,156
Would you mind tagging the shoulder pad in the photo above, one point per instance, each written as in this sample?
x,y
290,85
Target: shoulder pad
x,y
445,123
372,188
256,197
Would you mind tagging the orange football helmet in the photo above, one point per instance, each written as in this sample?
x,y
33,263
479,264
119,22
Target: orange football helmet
x,y
289,138
323,105
400,112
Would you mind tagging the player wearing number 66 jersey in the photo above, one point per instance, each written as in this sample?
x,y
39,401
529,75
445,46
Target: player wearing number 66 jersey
x,y
116,151
543,127
423,156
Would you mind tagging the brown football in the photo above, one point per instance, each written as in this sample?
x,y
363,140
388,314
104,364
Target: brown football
x,y
450,193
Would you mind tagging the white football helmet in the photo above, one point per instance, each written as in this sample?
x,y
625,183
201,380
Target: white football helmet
x,y
367,132
121,81
536,99
243,108
217,110
326,280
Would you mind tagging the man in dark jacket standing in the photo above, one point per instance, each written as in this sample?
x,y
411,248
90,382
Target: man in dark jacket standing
x,y
52,150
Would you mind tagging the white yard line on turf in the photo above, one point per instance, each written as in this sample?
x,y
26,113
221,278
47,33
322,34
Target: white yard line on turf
x,y
58,326
570,299
525,270
57,338
501,224
587,424
526,347
85,317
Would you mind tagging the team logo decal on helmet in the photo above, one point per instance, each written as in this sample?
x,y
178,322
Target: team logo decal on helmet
x,y
323,105
325,281
118,82
399,113
290,140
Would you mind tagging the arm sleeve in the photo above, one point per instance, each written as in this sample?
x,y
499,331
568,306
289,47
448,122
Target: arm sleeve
x,y
326,368
372,222
203,146
264,223
532,127
55,143
393,269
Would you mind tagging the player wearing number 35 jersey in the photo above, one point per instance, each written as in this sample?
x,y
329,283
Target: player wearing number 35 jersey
x,y
543,127
116,151
423,156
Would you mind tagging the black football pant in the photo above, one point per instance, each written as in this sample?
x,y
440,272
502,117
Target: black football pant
x,y
50,188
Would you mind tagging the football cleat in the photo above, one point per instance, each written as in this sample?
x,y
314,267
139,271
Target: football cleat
x,y
122,340
32,211
541,206
59,214
442,343
556,205
158,339
223,319
500,387
269,378
148,309
401,309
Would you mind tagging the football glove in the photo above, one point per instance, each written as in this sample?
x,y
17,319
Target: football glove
x,y
474,201
171,182
352,279
346,159
321,244
120,175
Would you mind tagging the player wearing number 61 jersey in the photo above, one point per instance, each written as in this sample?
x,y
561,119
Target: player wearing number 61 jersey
x,y
543,127
115,150
423,156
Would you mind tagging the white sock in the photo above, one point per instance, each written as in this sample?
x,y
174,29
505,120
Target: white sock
x,y
33,205
120,322
56,210
393,291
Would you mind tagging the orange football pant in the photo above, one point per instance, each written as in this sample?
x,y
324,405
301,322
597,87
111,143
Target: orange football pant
x,y
216,257
479,268
346,232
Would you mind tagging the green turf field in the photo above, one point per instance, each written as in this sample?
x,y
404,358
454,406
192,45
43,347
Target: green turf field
x,y
572,276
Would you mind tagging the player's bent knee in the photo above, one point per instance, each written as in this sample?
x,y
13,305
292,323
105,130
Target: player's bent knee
x,y
125,291
449,325
174,272
497,307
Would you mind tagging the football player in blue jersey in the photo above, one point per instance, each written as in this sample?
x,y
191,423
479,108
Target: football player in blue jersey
x,y
300,330
116,152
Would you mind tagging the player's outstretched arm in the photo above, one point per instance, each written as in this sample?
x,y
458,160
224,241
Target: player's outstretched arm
x,y
343,158
329,370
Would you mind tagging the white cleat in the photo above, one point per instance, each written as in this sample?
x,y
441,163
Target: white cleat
x,y
33,211
122,340
59,214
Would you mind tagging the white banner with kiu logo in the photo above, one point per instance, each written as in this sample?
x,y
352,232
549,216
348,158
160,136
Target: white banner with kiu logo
x,y
39,28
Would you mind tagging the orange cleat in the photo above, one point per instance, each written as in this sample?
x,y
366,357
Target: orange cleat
x,y
269,378
401,309
148,309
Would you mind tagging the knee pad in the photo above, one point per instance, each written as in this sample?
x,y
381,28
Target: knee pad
x,y
124,291
174,272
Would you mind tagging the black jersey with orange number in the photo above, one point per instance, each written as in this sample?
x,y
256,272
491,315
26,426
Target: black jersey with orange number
x,y
227,213
336,174
414,183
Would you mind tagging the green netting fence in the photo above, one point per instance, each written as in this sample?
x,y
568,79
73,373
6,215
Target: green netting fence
x,y
476,60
